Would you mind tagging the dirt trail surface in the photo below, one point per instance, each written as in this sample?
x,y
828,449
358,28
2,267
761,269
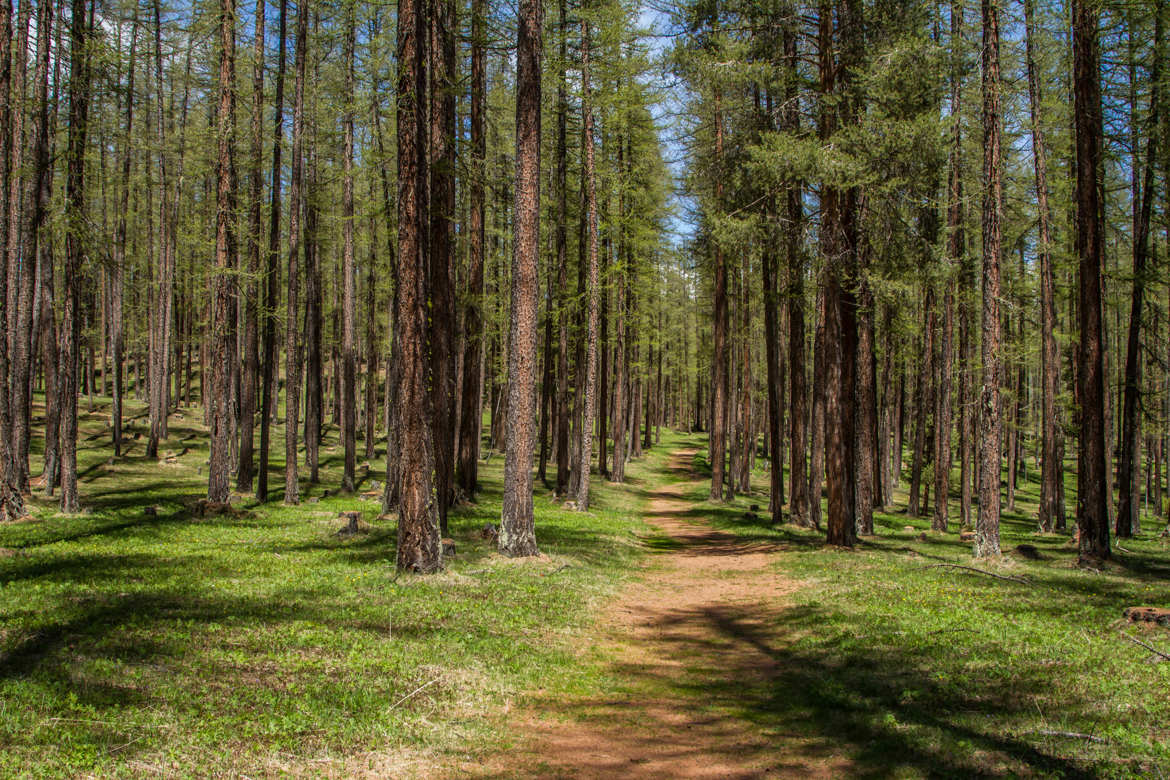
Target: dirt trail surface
x,y
689,646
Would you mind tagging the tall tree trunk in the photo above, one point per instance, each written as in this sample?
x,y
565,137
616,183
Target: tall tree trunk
x,y
10,505
1051,445
268,384
440,254
839,242
620,370
223,320
942,408
473,321
990,425
719,379
313,360
563,310
35,222
589,396
1092,473
865,447
250,378
1127,521
79,94
799,497
348,273
922,388
163,307
292,371
48,327
771,347
816,465
517,532
419,547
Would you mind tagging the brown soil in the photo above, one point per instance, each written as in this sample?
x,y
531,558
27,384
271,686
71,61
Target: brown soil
x,y
682,644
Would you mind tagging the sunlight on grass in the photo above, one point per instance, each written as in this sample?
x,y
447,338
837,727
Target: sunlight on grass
x,y
136,640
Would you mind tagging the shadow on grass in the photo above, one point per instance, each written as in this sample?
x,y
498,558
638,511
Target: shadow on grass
x,y
832,705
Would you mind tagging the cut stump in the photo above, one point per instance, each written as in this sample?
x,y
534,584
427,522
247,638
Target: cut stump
x,y
1158,615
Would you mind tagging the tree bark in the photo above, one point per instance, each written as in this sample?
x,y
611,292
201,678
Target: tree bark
x,y
563,309
719,379
268,388
1127,520
224,285
472,392
292,370
440,257
589,396
35,222
517,536
250,378
990,425
419,547
839,243
79,94
10,506
1092,473
348,272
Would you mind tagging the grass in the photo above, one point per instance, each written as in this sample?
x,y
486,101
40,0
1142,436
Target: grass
x,y
261,643
134,644
913,671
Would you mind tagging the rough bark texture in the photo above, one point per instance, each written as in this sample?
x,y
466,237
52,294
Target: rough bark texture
x,y
563,310
348,274
292,346
9,494
419,547
517,531
79,87
719,373
589,395
922,388
1051,447
799,497
839,244
959,257
472,393
34,223
439,256
223,319
771,346
990,424
865,449
268,383
251,358
1128,505
163,305
942,411
1092,473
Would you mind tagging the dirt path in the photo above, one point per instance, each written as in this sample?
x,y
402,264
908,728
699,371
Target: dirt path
x,y
685,644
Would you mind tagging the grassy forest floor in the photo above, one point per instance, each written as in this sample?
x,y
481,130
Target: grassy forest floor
x,y
136,642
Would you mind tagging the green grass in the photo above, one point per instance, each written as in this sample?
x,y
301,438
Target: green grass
x,y
914,671
263,643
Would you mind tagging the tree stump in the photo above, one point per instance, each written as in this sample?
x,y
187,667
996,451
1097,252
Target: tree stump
x,y
1158,615
351,527
448,548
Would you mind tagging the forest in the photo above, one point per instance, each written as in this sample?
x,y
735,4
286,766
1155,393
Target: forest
x,y
600,388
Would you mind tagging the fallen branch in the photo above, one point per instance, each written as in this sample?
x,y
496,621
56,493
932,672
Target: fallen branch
x,y
419,689
1154,650
1008,577
557,570
1069,735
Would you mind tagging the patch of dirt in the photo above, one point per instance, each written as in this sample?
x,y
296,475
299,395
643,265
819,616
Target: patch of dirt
x,y
678,644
